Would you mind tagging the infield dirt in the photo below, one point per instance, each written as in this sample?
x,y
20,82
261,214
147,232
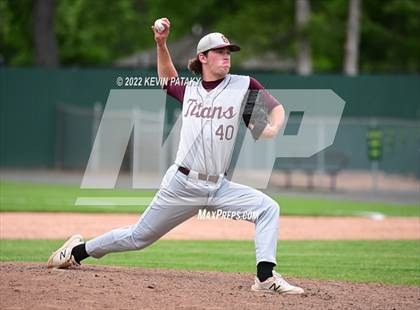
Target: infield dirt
x,y
32,286
17,225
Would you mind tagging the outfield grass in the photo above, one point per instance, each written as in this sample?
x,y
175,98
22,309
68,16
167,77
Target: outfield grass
x,y
18,197
391,262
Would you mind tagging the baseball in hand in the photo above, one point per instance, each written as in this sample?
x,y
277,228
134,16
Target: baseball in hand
x,y
159,25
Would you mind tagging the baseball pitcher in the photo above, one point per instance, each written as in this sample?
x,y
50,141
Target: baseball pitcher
x,y
212,111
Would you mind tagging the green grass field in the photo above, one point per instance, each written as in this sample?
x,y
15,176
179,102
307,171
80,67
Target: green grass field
x,y
391,262
19,197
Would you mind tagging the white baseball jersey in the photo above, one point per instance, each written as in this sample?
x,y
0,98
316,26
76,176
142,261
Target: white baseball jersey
x,y
210,122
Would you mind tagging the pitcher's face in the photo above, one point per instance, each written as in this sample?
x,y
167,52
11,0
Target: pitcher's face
x,y
217,62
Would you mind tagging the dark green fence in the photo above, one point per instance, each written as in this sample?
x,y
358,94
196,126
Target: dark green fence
x,y
30,101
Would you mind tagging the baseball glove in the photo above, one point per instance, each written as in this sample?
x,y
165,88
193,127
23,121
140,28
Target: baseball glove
x,y
255,113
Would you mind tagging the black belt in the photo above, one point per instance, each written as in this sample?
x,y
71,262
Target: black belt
x,y
201,176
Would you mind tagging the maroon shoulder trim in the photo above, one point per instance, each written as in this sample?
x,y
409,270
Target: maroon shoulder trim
x,y
176,91
270,100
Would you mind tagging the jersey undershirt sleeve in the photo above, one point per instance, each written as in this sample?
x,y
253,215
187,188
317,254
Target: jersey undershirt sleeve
x,y
176,91
270,101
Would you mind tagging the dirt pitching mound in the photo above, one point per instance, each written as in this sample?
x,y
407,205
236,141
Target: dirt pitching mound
x,y
32,286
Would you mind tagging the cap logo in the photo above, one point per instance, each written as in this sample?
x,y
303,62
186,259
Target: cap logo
x,y
225,40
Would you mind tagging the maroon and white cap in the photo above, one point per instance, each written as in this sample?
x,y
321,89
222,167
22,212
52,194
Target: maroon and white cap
x,y
215,40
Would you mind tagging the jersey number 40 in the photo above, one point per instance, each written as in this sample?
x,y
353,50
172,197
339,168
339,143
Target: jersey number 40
x,y
225,133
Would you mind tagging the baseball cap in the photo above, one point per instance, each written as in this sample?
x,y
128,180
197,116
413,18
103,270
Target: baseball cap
x,y
215,40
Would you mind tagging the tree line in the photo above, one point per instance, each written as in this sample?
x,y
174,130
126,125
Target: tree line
x,y
321,36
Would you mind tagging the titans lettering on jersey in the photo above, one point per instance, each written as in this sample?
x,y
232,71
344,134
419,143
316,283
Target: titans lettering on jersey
x,y
210,122
196,109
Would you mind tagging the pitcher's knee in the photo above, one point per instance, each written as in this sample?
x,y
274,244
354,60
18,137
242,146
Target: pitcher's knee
x,y
274,209
270,210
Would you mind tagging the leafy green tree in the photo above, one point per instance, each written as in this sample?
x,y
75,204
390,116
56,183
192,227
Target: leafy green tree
x,y
16,46
260,26
327,32
389,38
97,32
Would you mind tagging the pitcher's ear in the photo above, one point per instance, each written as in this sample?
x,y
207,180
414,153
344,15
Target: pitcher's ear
x,y
202,57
